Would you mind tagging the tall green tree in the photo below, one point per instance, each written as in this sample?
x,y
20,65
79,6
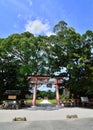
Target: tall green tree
x,y
24,54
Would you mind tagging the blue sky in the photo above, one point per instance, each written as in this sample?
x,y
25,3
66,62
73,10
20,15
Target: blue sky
x,y
40,16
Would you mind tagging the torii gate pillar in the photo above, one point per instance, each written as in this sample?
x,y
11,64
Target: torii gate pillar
x,y
57,92
34,94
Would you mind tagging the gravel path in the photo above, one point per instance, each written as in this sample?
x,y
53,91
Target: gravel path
x,y
79,124
39,115
39,119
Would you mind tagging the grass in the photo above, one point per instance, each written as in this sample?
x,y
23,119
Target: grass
x,y
30,101
53,101
38,101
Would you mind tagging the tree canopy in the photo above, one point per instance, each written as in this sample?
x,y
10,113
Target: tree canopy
x,y
24,54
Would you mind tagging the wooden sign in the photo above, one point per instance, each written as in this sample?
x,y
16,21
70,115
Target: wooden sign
x,y
11,96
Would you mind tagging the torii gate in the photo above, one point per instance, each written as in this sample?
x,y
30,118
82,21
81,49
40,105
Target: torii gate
x,y
39,79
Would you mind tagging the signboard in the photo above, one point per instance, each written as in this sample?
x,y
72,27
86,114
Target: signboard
x,y
12,97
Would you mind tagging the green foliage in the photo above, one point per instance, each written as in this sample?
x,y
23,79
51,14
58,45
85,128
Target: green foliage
x,y
23,54
43,94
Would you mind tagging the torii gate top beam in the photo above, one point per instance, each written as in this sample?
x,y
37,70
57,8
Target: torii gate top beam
x,y
36,79
45,76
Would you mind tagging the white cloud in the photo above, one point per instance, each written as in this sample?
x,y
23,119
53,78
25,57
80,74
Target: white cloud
x,y
37,27
50,33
